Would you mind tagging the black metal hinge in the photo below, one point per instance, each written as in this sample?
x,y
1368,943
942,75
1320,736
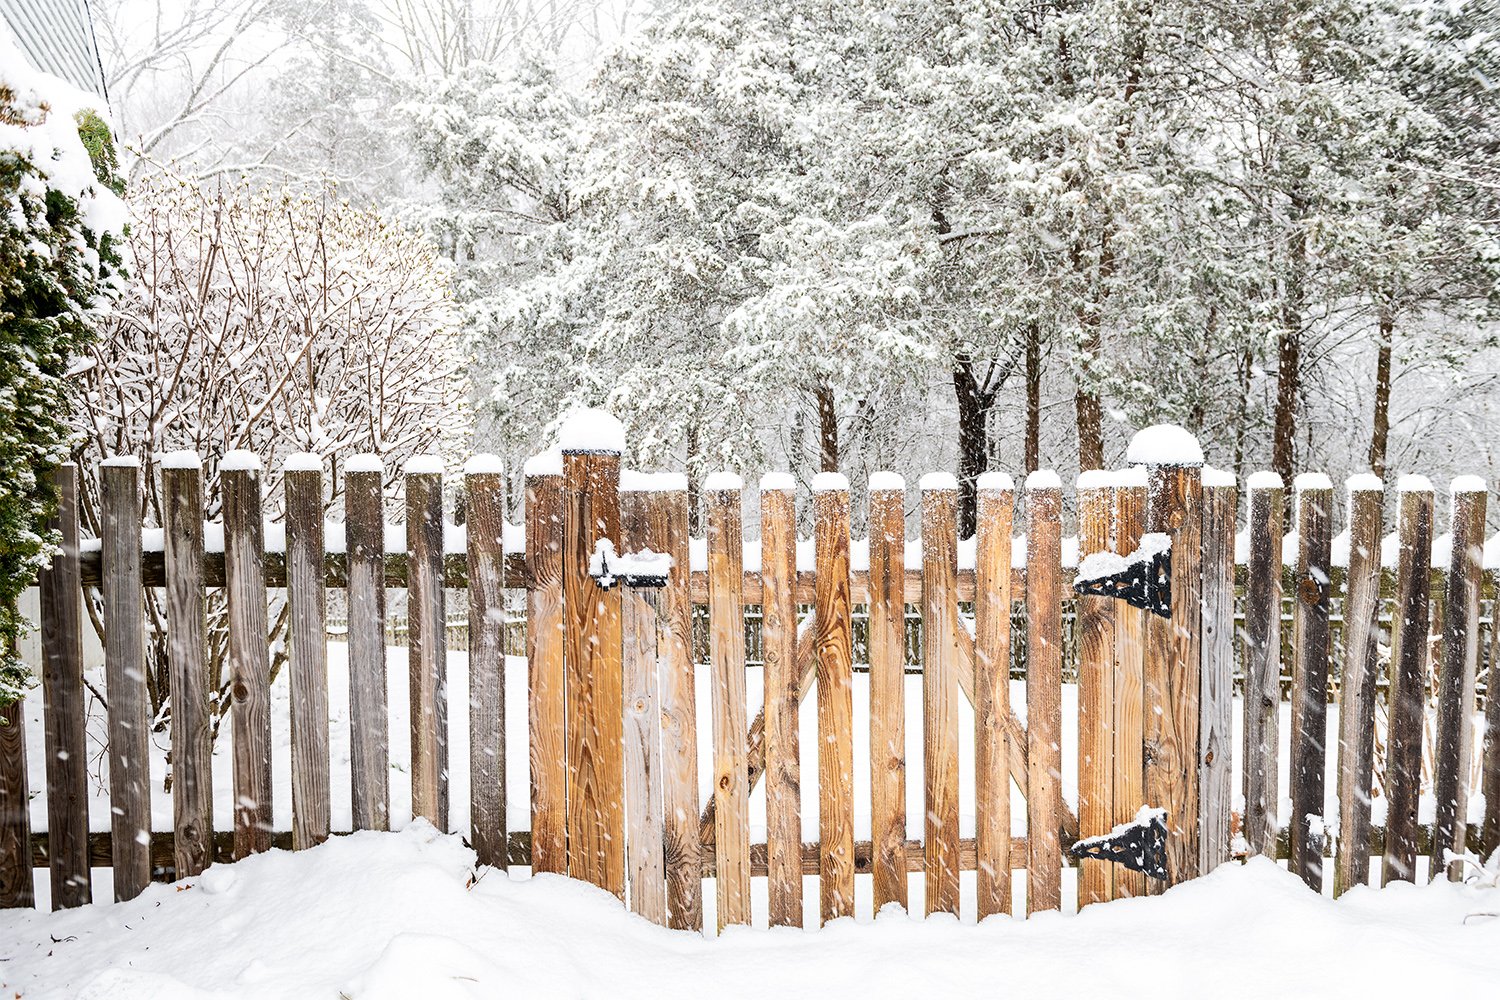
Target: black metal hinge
x,y
1140,846
1145,581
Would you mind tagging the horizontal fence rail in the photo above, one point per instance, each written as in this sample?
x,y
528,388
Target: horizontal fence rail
x,y
621,617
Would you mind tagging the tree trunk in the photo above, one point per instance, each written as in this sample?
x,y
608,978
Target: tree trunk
x,y
1289,347
1381,430
973,440
1086,403
1033,398
828,430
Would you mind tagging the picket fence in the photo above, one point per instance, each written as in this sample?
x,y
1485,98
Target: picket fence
x,y
613,734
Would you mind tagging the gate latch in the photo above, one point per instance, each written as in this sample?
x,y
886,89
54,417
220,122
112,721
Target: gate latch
x,y
1142,579
1140,845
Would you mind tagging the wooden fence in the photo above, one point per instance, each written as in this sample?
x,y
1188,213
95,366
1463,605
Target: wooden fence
x,y
614,734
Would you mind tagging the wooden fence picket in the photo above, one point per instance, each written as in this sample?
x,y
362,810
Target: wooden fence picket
x,y
1043,692
427,640
192,752
1262,662
727,658
307,607
546,676
940,691
17,885
645,857
1490,775
1129,522
887,644
1403,754
783,696
1095,632
65,743
1309,736
992,737
369,719
1357,687
1456,681
835,698
1216,677
484,486
249,652
125,676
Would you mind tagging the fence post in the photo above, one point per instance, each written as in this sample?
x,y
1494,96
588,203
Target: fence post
x,y
484,486
1216,695
1095,646
1172,679
778,539
645,856
427,640
1403,757
1043,691
546,679
369,715
307,613
940,689
1309,744
679,722
1454,737
125,674
835,696
192,749
1357,690
887,634
17,886
1490,778
591,446
726,641
1262,660
62,685
1130,672
249,653
992,593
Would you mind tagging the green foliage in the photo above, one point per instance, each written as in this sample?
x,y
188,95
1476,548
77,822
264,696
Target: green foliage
x,y
99,141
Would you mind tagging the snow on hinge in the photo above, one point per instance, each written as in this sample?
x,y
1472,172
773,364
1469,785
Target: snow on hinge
x,y
642,568
1143,579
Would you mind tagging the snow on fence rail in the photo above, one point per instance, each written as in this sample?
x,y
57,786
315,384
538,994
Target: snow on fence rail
x,y
612,726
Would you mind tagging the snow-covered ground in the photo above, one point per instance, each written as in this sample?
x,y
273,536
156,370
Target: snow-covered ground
x,y
405,915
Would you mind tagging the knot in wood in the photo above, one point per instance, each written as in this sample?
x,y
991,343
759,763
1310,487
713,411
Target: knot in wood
x,y
240,691
1310,591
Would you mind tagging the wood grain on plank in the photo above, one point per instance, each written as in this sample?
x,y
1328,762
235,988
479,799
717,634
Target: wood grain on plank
x,y
1262,667
835,703
63,711
1216,678
992,737
249,660
726,648
1309,744
1095,637
645,859
786,667
427,648
1490,774
940,698
1454,738
596,809
545,675
1129,522
1357,689
887,643
17,886
307,606
1174,507
125,677
369,719
1044,699
187,643
486,524
1405,708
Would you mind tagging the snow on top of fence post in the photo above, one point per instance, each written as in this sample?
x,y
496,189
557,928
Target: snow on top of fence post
x,y
121,462
592,430
777,481
1311,481
1263,480
632,481
1095,479
240,460
303,461
717,481
1217,477
1364,482
825,482
484,464
1410,483
179,460
937,481
886,481
364,462
1043,479
994,481
1467,484
1164,444
546,463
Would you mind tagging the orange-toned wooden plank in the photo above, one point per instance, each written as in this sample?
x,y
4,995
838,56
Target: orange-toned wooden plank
x,y
726,642
835,696
784,688
1043,692
992,737
1096,812
1129,791
888,688
940,690
546,683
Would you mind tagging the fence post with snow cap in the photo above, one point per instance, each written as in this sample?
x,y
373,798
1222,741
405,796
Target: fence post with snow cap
x,y
187,641
992,601
484,485
835,653
307,606
125,676
1453,751
940,689
783,695
1095,638
546,675
1358,684
1262,660
369,728
1216,680
645,856
427,642
1309,736
1173,462
249,653
727,656
1406,692
591,444
1129,522
887,645
1044,808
